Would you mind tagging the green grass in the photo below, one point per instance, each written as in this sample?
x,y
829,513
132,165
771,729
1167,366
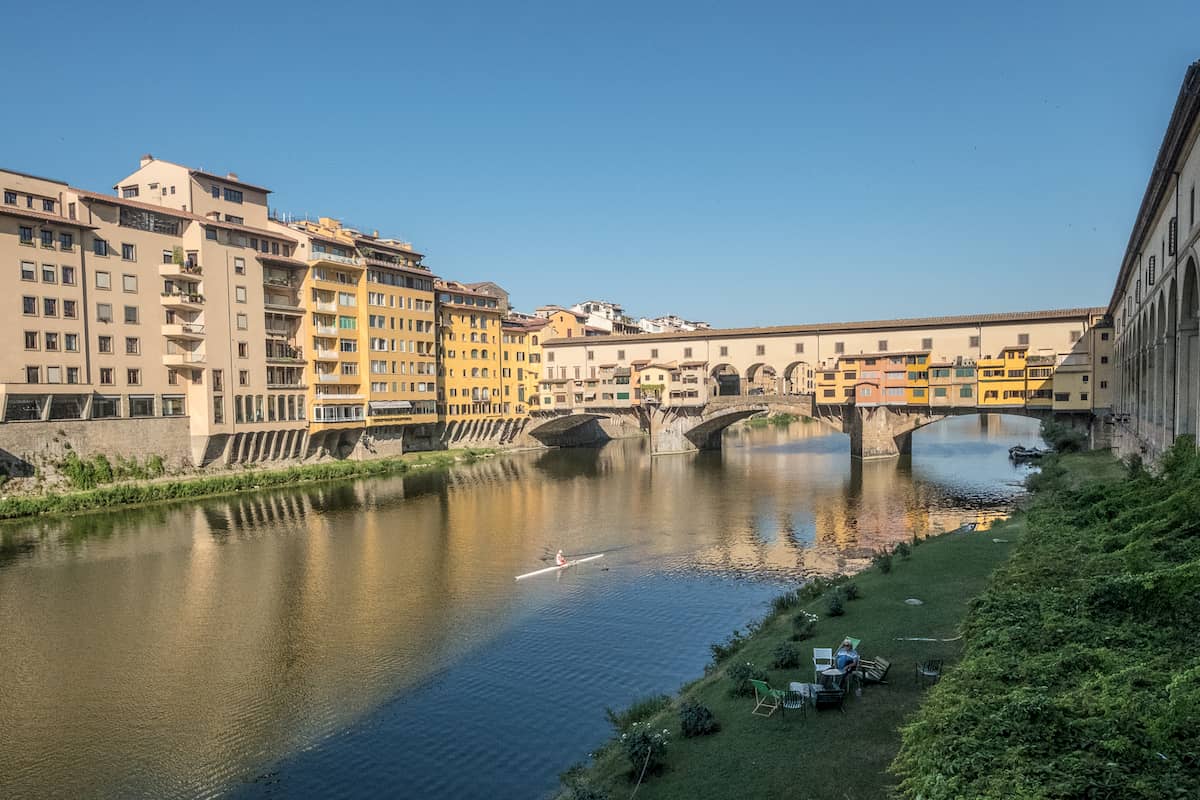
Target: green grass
x,y
828,754
250,479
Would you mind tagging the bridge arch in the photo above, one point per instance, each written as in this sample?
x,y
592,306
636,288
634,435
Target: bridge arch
x,y
795,378
1188,409
725,380
762,376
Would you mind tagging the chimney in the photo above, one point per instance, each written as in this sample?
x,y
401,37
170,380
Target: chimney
x,y
231,175
375,234
146,159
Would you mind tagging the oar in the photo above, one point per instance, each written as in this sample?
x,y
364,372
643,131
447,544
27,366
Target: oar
x,y
552,569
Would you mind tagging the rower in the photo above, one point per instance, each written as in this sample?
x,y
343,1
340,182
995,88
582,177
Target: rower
x,y
560,559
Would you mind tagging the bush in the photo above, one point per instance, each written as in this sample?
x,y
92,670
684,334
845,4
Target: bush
x,y
723,650
740,675
639,711
645,747
850,590
785,601
697,720
883,560
835,607
902,549
154,466
103,469
1063,438
786,656
803,626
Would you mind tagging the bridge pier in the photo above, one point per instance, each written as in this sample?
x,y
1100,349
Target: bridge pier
x,y
880,433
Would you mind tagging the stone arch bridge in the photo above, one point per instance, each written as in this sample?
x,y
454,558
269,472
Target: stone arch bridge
x,y
874,431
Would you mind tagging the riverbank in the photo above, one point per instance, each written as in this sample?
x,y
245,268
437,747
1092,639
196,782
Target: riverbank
x,y
839,755
136,493
827,754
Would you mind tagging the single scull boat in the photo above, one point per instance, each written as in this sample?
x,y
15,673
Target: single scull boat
x,y
571,563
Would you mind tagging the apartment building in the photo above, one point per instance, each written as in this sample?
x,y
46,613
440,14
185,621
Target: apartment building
x,y
469,384
520,368
368,322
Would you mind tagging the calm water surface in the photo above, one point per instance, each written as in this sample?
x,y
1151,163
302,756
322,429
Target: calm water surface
x,y
368,638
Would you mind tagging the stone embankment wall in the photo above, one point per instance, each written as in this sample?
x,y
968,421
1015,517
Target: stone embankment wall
x,y
26,447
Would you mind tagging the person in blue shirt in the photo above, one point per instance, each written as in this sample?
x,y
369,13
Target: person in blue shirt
x,y
847,656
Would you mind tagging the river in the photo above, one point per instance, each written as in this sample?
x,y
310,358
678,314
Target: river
x,y
367,638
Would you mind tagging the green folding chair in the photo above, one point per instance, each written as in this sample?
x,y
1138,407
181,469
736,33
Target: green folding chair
x,y
765,698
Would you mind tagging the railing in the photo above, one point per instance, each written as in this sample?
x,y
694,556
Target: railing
x,y
326,256
326,330
282,282
287,385
285,353
183,297
329,377
183,357
330,307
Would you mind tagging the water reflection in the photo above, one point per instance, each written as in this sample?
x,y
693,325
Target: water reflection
x,y
180,650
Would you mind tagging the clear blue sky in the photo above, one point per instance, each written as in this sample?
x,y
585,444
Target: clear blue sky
x,y
744,163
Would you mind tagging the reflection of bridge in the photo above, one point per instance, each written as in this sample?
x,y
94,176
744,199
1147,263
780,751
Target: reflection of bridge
x,y
874,431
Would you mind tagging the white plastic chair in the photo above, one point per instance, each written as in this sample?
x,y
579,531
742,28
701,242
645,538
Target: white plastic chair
x,y
822,660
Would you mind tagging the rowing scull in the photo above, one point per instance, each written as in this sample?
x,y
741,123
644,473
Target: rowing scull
x,y
556,567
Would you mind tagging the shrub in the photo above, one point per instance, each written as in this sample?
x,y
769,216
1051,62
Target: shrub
x,y
803,626
104,470
850,590
154,466
835,607
723,650
697,720
786,656
645,747
639,711
785,601
902,549
740,675
1063,438
883,560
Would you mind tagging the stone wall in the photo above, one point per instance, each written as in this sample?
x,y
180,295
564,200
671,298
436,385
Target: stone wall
x,y
25,446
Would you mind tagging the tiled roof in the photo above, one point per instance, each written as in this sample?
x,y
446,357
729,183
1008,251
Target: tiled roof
x,y
226,179
42,216
850,327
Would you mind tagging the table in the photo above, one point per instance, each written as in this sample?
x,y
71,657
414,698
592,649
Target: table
x,y
832,678
806,690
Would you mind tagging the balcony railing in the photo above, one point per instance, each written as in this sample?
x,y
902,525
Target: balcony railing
x,y
184,330
327,355
171,269
286,385
325,330
183,298
182,358
329,377
277,353
326,256
282,282
329,307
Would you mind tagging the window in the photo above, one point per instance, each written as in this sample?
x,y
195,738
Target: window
x,y
927,344
724,351
1103,384
1104,336
799,347
1086,378
131,315
48,205
939,391
49,307
974,342
687,352
550,356
132,345
839,347
1103,359
129,191
232,195
33,375
243,322
243,350
239,266
218,380
239,294
141,406
71,342
128,252
129,283
620,355
172,405
29,306
51,341
31,340
28,271
103,280
49,273
235,220
653,354
100,247
1150,271
216,192
1083,395
72,374
1023,338
590,355
10,198
68,276
243,377
1172,231
106,376
104,312
218,409
965,391
133,376
883,345
66,241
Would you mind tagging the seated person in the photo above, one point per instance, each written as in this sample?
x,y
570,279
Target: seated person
x,y
847,657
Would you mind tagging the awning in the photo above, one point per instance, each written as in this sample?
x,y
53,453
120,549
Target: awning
x,y
385,406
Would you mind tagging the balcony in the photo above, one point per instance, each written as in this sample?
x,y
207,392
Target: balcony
x,y
185,358
329,307
337,398
184,330
284,354
326,355
329,377
287,385
183,301
184,270
283,305
353,261
282,283
325,330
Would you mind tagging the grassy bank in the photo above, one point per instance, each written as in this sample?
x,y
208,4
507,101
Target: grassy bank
x,y
828,754
250,479
1081,673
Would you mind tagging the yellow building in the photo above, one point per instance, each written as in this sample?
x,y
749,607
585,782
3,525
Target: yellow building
x,y
521,357
916,388
469,330
563,323
835,382
1002,380
1039,381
